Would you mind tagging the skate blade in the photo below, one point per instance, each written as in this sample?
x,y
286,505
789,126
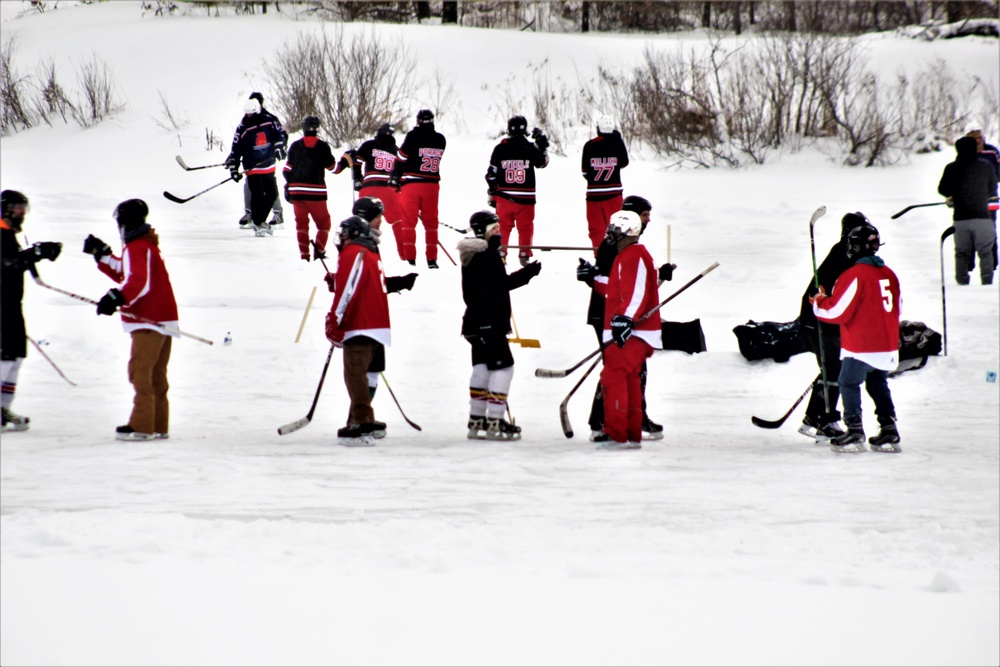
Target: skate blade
x,y
853,448
364,441
652,436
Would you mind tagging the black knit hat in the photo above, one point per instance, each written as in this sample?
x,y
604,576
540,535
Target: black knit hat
x,y
131,214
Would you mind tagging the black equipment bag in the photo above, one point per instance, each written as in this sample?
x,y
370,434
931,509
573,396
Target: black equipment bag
x,y
770,340
684,336
917,340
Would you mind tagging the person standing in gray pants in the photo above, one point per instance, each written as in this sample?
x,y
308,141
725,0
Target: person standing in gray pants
x,y
969,183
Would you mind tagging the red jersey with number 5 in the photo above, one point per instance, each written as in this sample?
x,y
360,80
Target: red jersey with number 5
x,y
865,303
420,156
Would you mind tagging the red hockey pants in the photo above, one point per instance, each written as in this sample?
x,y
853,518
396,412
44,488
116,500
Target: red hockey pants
x,y
623,389
419,200
598,215
521,215
320,215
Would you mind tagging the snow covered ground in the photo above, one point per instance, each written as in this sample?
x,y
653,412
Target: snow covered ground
x,y
229,544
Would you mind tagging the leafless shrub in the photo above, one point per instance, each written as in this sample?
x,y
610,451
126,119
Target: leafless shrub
x,y
52,99
212,141
169,119
15,105
97,94
159,7
548,102
353,84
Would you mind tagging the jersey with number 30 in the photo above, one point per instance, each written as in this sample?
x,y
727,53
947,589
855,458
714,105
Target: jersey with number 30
x,y
865,303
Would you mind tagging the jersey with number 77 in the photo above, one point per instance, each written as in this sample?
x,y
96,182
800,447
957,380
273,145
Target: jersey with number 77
x,y
865,303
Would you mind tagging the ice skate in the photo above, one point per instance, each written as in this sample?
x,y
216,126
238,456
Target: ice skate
x,y
355,435
500,429
651,430
126,432
886,441
477,428
851,442
13,421
822,434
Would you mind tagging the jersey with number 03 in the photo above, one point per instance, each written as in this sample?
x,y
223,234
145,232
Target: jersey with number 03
x,y
865,303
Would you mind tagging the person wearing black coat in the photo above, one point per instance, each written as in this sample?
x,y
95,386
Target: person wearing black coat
x,y
486,290
13,333
817,422
969,183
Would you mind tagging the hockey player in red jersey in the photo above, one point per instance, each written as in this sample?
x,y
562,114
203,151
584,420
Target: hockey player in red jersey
x,y
416,176
604,157
144,291
511,182
865,303
378,155
358,321
486,290
630,293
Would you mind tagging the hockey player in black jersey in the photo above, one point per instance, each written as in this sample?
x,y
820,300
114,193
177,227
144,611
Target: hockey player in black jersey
x,y
510,182
604,157
416,176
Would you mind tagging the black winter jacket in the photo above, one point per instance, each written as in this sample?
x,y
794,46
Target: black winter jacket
x,y
486,287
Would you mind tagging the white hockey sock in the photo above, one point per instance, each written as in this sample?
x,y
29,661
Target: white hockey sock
x,y
497,390
477,390
8,380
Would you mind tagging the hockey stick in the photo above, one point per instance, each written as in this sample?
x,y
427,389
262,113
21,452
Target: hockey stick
x,y
763,423
944,312
817,214
309,304
937,203
563,407
301,423
131,316
460,231
913,206
179,200
184,166
445,250
52,363
548,373
545,248
405,418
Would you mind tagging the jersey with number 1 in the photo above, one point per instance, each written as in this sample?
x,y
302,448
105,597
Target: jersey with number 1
x,y
420,156
865,303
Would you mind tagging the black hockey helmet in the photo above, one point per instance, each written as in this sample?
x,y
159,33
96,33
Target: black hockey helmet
x,y
481,221
354,227
517,126
636,204
385,129
310,126
131,213
368,208
8,200
852,220
425,116
863,241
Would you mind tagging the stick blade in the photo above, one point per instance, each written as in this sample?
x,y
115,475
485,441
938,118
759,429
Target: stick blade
x,y
293,426
946,233
763,423
817,214
183,164
548,373
173,198
564,420
526,342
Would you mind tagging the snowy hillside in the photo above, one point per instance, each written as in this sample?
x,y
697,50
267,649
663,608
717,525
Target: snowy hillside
x,y
229,544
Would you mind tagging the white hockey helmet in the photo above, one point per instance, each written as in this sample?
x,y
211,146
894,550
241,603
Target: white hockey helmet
x,y
624,223
251,106
605,124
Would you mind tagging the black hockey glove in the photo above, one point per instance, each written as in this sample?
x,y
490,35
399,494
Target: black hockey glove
x,y
532,269
109,302
666,272
357,185
234,173
46,250
621,329
540,139
280,153
400,283
286,194
231,161
586,272
96,247
393,183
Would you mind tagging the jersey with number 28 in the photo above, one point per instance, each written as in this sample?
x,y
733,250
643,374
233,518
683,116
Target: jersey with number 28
x,y
865,303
